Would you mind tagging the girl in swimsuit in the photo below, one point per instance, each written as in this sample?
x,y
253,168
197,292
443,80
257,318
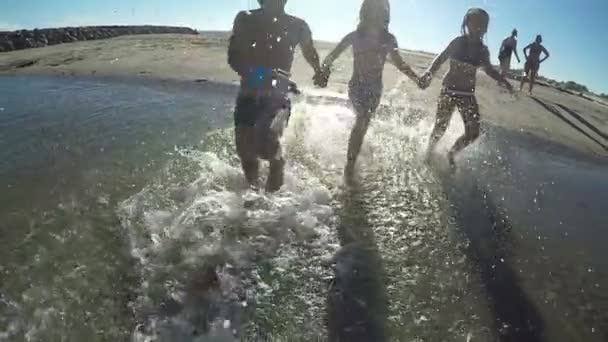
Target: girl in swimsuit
x,y
467,53
533,60
372,43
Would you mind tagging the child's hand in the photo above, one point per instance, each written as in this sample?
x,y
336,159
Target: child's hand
x,y
424,81
321,77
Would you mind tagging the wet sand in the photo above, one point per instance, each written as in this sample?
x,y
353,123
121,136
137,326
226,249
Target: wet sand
x,y
569,120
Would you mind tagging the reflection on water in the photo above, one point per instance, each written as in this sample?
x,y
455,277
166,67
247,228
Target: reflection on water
x,y
112,232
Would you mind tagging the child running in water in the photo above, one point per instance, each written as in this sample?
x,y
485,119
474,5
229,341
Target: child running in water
x,y
372,43
467,53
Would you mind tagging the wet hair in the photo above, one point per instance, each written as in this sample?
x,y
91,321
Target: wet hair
x,y
539,38
471,13
514,33
374,14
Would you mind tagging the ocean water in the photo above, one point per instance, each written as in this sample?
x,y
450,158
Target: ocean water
x,y
125,217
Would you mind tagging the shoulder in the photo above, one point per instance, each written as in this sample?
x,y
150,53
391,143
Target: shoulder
x,y
295,22
246,16
457,44
350,37
458,41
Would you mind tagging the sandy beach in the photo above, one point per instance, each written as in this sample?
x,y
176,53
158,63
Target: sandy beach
x,y
560,117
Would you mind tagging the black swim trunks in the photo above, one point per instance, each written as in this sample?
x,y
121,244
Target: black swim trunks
x,y
250,109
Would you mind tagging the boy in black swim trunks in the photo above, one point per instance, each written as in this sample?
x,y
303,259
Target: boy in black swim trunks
x,y
263,41
507,49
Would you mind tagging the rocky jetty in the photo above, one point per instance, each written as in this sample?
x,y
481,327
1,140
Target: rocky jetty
x,y
25,39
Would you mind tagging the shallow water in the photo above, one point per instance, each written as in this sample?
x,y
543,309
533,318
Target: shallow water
x,y
126,218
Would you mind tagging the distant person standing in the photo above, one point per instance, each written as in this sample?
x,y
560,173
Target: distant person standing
x,y
507,49
263,42
532,53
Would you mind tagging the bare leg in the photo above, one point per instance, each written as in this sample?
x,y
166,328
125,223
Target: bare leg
x,y
276,175
355,142
245,147
532,80
469,110
445,108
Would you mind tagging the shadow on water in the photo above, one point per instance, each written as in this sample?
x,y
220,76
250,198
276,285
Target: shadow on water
x,y
357,305
488,230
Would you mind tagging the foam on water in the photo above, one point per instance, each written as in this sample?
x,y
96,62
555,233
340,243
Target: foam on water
x,y
250,239
268,250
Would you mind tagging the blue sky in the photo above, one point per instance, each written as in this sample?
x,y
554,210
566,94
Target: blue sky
x,y
574,31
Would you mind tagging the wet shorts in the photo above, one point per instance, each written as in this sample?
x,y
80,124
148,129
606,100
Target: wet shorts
x,y
253,118
365,98
251,109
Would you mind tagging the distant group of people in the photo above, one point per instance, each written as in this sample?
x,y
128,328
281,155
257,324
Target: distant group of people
x,y
532,52
267,37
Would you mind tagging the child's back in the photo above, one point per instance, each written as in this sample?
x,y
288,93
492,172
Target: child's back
x,y
370,50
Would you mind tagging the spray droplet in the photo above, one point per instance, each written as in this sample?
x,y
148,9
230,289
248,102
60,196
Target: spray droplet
x,y
254,44
226,324
278,39
275,20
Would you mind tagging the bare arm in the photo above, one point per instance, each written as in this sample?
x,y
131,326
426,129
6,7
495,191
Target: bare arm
x,y
526,50
237,48
338,50
439,60
398,61
308,49
546,55
516,54
490,71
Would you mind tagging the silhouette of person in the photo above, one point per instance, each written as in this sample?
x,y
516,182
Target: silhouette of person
x,y
467,53
532,53
264,41
507,49
372,43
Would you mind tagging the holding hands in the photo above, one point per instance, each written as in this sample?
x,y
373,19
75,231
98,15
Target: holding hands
x,y
425,80
321,77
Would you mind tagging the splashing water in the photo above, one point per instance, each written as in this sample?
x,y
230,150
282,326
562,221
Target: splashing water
x,y
219,260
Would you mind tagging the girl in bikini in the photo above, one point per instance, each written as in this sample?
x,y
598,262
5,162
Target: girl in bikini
x,y
372,43
467,53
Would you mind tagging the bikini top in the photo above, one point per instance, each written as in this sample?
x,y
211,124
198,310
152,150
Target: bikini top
x,y
464,54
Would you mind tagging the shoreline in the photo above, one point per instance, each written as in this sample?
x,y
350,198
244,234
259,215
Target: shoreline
x,y
181,85
196,62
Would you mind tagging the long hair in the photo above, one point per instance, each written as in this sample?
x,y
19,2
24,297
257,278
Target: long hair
x,y
471,13
374,14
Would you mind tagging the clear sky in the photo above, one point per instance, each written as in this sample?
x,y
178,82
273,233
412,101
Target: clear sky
x,y
574,31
